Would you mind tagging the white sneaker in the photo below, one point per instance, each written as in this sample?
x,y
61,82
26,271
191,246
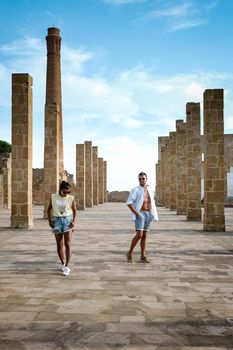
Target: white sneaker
x,y
63,268
66,271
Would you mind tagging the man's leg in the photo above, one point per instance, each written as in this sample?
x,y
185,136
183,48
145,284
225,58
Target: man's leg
x,y
143,244
147,225
134,241
67,237
60,250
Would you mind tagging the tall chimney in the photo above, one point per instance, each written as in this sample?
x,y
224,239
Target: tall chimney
x,y
53,83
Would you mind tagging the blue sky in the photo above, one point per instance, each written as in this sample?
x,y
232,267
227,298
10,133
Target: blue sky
x,y
128,69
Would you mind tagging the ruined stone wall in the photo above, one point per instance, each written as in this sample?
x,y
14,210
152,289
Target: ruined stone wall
x,y
118,196
38,186
1,191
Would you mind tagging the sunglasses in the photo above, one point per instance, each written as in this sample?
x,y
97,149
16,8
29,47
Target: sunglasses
x,y
142,178
65,192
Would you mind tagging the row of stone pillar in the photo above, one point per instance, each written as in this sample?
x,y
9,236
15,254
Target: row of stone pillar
x,y
91,179
91,176
179,167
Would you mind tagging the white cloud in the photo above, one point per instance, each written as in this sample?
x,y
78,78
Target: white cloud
x,y
5,81
126,158
103,97
182,14
210,5
179,10
74,60
185,24
195,91
228,124
28,46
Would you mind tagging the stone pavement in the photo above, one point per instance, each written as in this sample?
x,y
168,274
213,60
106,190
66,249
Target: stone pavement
x,y
182,300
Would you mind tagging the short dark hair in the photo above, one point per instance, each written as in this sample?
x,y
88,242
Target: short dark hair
x,y
142,174
64,186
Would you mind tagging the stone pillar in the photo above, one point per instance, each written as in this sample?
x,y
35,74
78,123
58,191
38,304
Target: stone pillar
x,y
193,137
181,169
80,176
162,141
53,82
163,171
21,200
101,180
173,180
167,176
228,160
160,171
95,176
214,218
1,191
51,152
88,174
105,182
5,166
158,187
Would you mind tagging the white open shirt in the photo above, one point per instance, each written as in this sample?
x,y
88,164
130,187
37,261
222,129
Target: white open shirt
x,y
136,198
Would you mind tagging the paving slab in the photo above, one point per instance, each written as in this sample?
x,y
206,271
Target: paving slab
x,y
182,300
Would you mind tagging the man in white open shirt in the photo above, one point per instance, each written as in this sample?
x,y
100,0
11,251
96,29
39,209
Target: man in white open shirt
x,y
142,205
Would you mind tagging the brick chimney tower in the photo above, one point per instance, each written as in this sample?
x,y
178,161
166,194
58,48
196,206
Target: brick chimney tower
x,y
53,84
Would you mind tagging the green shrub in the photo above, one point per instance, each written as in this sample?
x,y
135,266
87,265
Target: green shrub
x,y
5,147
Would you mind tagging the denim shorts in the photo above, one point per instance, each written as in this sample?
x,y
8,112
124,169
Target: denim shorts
x,y
61,224
143,222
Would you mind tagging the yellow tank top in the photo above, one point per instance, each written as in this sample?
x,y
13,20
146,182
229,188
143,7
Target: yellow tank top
x,y
62,206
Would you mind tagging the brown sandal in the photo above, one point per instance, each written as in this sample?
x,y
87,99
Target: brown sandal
x,y
144,259
129,257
